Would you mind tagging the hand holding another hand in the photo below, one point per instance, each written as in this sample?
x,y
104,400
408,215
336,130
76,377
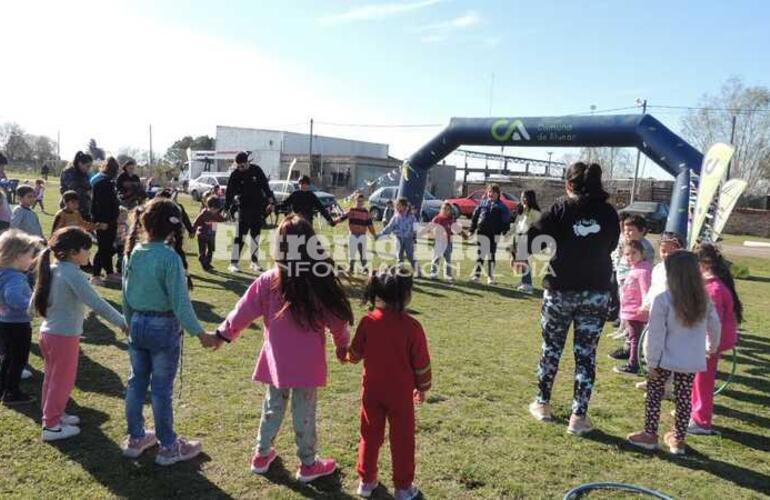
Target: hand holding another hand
x,y
419,397
210,341
342,354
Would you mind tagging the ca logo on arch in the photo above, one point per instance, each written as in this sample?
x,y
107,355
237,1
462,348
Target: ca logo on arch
x,y
505,130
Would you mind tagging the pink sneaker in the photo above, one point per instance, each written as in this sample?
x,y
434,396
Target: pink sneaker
x,y
260,464
321,467
643,440
178,452
133,448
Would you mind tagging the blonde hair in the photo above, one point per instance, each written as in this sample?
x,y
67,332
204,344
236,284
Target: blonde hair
x,y
14,243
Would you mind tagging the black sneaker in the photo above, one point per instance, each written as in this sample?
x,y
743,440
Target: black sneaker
x,y
626,369
620,354
19,398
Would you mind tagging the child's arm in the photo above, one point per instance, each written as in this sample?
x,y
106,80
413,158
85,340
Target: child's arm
x,y
248,309
176,284
340,334
356,349
713,329
86,293
656,332
56,222
645,280
200,220
420,360
389,227
17,294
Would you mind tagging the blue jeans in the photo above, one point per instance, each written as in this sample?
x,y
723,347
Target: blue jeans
x,y
406,250
154,347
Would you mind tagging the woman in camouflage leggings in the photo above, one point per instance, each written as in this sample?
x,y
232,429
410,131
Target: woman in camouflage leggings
x,y
584,229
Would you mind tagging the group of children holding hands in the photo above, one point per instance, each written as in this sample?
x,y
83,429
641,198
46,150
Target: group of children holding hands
x,y
689,307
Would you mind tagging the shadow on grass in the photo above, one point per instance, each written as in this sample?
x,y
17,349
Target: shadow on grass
x,y
442,285
755,338
329,486
758,279
97,332
695,460
138,479
498,289
750,418
92,376
760,384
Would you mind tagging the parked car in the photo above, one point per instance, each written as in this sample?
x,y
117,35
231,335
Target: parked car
x,y
379,199
206,181
282,190
468,204
655,212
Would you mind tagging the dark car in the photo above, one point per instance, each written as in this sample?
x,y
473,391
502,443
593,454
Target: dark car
x,y
655,212
379,199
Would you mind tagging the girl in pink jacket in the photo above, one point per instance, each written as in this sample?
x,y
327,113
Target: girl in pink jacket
x,y
720,287
297,300
632,312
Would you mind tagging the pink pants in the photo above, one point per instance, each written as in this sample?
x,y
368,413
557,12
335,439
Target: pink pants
x,y
60,353
703,393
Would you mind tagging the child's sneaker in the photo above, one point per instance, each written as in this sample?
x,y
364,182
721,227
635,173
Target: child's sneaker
x,y
579,425
256,268
98,281
408,494
697,430
133,448
541,411
26,374
321,467
180,451
233,268
260,464
641,385
365,490
643,440
491,281
524,288
626,369
450,279
61,431
69,419
474,278
620,354
675,446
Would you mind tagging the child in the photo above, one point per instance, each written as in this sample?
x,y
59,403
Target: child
x,y
120,237
720,287
402,226
39,190
61,293
70,215
204,230
23,218
528,212
634,316
491,219
157,306
635,228
397,374
442,242
17,254
684,327
359,222
388,213
5,211
297,301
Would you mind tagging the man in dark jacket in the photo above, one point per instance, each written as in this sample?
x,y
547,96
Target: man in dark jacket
x,y
305,203
248,199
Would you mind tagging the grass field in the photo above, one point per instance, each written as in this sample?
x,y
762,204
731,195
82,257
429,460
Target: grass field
x,y
475,437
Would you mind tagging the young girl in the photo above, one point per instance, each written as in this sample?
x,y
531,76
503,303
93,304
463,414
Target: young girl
x,y
720,287
39,194
684,327
61,293
528,212
402,225
298,300
157,306
397,374
442,242
17,254
491,219
633,315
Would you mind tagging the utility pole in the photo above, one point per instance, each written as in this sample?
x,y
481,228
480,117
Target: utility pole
x,y
310,151
638,156
150,145
58,144
732,143
548,170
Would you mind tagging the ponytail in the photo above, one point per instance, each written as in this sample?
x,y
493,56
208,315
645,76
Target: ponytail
x,y
136,228
177,242
710,256
81,157
585,181
43,283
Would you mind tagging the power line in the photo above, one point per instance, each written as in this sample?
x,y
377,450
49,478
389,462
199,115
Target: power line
x,y
382,125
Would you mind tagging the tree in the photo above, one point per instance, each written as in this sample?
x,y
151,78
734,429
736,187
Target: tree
x,y
96,151
750,106
17,146
43,148
177,152
616,163
3,160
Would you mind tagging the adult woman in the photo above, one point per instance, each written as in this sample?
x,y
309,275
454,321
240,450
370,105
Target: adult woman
x,y
129,185
585,230
75,178
105,210
527,213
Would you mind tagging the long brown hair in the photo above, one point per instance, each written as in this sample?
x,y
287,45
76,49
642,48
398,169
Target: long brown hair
x,y
685,283
63,244
309,286
710,256
585,181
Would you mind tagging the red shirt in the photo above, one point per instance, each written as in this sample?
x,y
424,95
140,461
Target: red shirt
x,y
446,223
359,220
395,352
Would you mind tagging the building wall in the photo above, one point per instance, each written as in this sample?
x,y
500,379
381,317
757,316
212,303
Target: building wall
x,y
441,181
749,221
265,146
298,144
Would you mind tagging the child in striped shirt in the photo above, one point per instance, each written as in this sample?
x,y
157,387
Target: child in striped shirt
x,y
359,222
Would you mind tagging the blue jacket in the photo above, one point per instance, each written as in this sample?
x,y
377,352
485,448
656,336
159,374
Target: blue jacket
x,y
491,218
15,296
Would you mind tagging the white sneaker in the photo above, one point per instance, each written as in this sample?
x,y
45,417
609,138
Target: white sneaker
x,y
450,279
25,374
697,430
524,288
433,276
365,490
61,431
541,411
256,268
491,281
233,268
475,278
69,419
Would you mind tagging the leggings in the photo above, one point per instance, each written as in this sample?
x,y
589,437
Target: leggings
x,y
105,239
682,391
487,250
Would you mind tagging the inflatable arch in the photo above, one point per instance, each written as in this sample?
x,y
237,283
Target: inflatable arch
x,y
644,132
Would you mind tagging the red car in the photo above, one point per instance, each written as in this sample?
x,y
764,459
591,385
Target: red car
x,y
467,205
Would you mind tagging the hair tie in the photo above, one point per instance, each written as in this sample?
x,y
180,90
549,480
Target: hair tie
x,y
174,220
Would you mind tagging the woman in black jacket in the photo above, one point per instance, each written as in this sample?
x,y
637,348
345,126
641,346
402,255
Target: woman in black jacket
x,y
129,185
583,227
75,178
105,210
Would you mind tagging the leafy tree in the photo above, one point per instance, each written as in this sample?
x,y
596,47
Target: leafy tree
x,y
177,152
17,145
96,151
43,148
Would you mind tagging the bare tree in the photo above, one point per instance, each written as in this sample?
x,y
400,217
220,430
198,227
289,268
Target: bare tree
x,y
616,163
751,108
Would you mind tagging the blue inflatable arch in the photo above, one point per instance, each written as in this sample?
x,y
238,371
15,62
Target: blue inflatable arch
x,y
644,132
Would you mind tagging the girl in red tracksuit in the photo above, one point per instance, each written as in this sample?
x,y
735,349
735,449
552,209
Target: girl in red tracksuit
x,y
397,373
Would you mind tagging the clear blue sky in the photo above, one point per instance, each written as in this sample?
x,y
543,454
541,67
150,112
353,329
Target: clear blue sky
x,y
424,61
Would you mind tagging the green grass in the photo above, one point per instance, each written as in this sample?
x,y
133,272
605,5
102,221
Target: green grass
x,y
475,437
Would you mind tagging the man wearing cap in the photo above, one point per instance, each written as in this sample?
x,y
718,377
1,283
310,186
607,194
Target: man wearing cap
x,y
248,199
